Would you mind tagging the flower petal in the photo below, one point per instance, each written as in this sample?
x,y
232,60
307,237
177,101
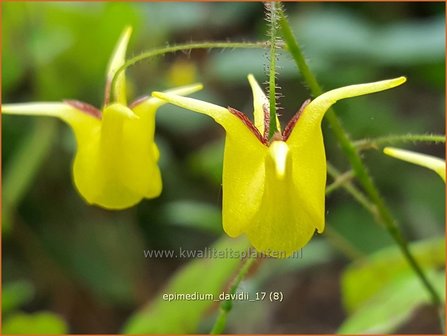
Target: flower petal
x,y
152,102
309,177
116,168
242,180
261,106
284,223
243,169
307,147
313,113
116,61
428,161
82,123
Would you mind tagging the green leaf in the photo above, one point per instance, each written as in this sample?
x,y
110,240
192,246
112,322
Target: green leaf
x,y
193,214
364,278
201,276
38,323
23,167
392,305
15,294
339,33
208,161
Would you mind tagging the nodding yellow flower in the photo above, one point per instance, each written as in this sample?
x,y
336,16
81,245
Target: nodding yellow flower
x,y
428,161
273,189
115,166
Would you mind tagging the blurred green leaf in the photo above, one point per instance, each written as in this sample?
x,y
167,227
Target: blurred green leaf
x,y
91,249
364,278
38,323
15,294
336,33
193,214
181,121
23,167
332,32
208,161
235,65
392,305
346,217
204,276
412,42
13,19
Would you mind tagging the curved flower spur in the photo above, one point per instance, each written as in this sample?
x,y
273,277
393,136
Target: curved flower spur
x,y
115,165
274,189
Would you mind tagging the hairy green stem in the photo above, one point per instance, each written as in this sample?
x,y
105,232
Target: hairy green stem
x,y
400,138
384,214
339,181
225,306
353,190
272,18
184,47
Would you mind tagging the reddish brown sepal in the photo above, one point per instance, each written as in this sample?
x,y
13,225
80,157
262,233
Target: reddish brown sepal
x,y
249,124
84,107
293,121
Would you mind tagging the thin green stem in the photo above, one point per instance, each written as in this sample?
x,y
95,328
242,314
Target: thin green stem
x,y
401,138
227,305
358,195
272,18
186,47
339,181
342,244
384,214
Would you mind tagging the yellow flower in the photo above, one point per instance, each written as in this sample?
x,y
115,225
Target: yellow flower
x,y
273,189
423,160
115,165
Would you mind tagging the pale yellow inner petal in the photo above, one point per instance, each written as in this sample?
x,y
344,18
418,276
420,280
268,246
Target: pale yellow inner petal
x,y
261,105
428,161
284,222
116,61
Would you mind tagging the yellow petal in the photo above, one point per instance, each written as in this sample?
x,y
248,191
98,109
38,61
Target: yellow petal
x,y
284,222
428,161
143,131
154,102
81,122
119,167
243,168
116,167
313,113
116,61
307,147
260,104
218,113
243,179
309,177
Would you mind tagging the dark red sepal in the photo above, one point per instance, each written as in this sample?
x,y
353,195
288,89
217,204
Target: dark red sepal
x,y
249,124
292,122
84,107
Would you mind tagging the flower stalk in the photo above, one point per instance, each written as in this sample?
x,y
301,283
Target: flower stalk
x,y
272,9
185,47
400,138
227,305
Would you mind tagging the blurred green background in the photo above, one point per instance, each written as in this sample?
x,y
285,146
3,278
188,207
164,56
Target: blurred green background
x,y
70,267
